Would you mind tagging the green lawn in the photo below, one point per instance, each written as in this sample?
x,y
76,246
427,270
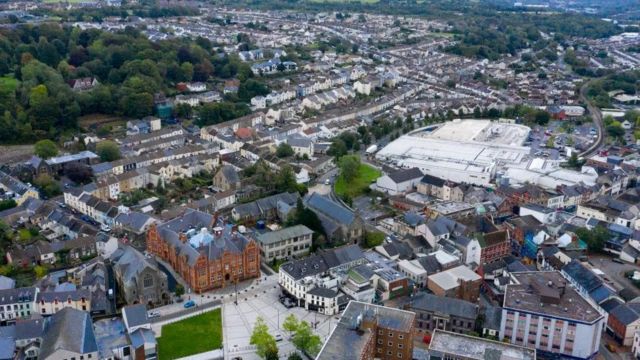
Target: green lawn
x,y
191,336
366,175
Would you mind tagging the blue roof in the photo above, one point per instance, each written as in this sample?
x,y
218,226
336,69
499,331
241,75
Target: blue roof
x,y
583,276
623,230
600,293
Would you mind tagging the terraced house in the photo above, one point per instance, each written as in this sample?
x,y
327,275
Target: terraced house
x,y
204,250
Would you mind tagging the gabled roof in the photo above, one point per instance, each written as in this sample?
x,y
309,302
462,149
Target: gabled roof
x,y
403,175
433,180
583,276
322,262
444,305
626,313
330,209
68,329
135,315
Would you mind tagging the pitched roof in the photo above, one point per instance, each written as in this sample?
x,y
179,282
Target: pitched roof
x,y
323,261
444,305
284,234
135,315
68,329
583,276
330,209
432,180
403,175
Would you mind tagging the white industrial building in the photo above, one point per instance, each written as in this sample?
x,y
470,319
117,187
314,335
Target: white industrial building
x,y
463,151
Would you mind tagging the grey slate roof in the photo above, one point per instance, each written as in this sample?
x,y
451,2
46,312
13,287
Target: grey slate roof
x,y
68,329
626,313
323,261
230,174
12,296
133,220
6,283
492,317
583,276
284,234
330,209
323,292
444,305
136,315
432,180
403,175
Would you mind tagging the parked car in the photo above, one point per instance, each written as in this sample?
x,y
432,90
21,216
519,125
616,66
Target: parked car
x,y
327,182
153,314
617,260
189,304
278,337
611,347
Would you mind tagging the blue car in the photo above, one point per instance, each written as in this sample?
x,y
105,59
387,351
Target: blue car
x,y
189,304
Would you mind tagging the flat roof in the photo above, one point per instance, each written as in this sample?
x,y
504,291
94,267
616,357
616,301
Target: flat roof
x,y
472,146
347,340
471,347
531,289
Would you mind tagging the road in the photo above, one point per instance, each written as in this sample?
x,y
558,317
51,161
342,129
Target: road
x,y
596,116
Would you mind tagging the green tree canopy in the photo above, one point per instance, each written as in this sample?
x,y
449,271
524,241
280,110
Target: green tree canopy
x,y
45,149
349,167
265,343
108,150
284,150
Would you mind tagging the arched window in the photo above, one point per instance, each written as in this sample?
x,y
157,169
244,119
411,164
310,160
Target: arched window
x,y
148,280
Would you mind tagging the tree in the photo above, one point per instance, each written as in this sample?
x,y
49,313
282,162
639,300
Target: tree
x,y
373,238
294,356
337,149
349,167
47,185
594,238
284,150
551,141
40,271
305,340
265,343
542,117
290,323
108,150
79,173
7,204
573,161
45,149
179,290
615,130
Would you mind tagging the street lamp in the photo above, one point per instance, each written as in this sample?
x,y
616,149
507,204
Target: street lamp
x,y
236,289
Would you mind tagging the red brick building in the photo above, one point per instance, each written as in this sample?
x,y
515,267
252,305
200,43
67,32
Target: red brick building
x,y
206,252
495,246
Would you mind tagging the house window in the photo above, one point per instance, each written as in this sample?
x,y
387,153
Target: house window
x,y
148,280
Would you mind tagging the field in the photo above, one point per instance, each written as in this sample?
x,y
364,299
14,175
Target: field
x,y
191,336
366,175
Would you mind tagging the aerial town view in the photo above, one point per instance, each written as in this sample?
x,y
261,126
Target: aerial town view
x,y
319,179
